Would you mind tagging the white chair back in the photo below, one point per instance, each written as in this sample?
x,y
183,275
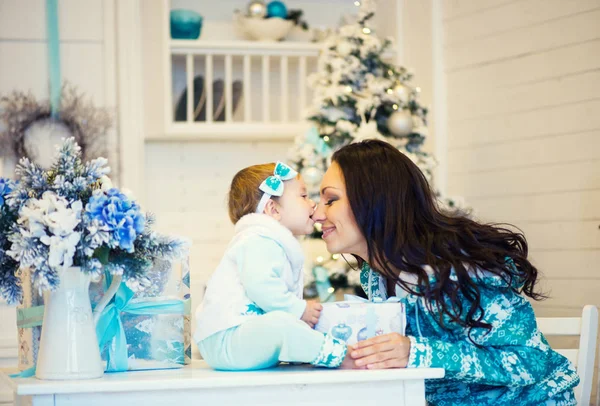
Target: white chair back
x,y
586,327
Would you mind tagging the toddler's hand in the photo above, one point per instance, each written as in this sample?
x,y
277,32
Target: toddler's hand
x,y
312,313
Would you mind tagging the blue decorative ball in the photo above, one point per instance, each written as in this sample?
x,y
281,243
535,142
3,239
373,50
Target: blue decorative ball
x,y
276,9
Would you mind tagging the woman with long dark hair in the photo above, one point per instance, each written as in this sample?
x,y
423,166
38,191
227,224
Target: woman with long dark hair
x,y
464,284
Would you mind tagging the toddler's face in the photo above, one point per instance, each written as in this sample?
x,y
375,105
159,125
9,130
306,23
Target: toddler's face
x,y
296,208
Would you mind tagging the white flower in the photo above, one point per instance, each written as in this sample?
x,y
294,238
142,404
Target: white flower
x,y
53,222
62,249
63,220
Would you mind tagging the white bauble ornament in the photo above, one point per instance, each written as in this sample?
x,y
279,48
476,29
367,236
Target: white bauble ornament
x,y
257,9
402,93
344,48
400,123
312,175
40,140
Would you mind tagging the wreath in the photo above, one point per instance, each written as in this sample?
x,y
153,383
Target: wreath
x,y
30,125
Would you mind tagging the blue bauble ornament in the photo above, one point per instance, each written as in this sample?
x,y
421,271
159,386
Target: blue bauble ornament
x,y
341,331
276,9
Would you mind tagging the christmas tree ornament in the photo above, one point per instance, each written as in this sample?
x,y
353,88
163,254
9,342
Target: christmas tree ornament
x,y
312,175
400,123
276,9
401,92
257,9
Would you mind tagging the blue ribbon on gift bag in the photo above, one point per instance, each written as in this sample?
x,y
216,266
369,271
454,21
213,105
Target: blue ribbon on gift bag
x,y
110,328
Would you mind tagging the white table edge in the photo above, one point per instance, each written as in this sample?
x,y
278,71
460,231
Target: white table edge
x,y
198,376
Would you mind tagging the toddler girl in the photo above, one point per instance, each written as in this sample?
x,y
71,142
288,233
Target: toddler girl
x,y
253,315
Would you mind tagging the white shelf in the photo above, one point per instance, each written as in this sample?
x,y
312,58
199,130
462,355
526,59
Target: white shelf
x,y
198,132
289,48
275,89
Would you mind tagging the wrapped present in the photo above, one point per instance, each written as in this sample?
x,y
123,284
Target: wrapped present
x,y
356,319
150,329
30,314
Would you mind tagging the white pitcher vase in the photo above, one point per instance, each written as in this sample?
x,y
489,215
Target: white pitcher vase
x,y
69,346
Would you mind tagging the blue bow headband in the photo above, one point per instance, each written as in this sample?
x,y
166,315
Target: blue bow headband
x,y
273,185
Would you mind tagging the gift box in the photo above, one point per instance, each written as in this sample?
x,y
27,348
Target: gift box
x,y
30,314
356,319
150,329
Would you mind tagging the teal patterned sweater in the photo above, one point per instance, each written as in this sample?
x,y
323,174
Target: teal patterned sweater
x,y
512,364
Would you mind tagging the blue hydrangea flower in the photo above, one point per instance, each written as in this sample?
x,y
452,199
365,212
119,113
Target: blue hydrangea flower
x,y
6,186
120,214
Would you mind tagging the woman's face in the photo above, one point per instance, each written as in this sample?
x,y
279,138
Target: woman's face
x,y
340,231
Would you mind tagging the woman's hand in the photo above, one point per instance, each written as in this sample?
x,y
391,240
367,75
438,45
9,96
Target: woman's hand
x,y
382,352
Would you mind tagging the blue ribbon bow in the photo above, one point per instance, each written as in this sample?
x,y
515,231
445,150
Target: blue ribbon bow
x,y
110,327
273,185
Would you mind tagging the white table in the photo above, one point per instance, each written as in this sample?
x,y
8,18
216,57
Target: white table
x,y
197,384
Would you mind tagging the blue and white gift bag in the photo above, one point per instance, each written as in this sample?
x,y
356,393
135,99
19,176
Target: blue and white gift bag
x,y
356,319
150,329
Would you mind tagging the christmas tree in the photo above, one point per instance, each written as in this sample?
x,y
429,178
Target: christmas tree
x,y
358,95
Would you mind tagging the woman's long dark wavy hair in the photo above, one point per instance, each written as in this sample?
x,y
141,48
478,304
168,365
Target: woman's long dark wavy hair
x,y
398,215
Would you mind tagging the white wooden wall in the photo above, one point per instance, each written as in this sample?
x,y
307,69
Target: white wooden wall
x,y
523,79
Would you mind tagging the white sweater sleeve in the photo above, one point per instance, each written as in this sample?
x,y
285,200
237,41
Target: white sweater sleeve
x,y
260,263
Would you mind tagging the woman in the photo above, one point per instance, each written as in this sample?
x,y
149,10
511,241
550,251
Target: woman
x,y
464,284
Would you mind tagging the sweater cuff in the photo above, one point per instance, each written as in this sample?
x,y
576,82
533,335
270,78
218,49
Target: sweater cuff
x,y
332,353
420,354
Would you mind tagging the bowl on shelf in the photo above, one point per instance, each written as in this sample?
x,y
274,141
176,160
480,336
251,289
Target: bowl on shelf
x,y
262,29
185,24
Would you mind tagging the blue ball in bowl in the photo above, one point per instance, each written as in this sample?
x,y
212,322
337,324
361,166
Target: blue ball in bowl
x,y
276,9
185,24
